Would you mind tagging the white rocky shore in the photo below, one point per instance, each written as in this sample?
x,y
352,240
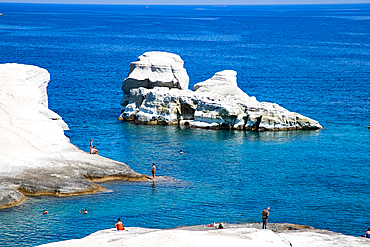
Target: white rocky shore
x,y
279,235
156,92
35,156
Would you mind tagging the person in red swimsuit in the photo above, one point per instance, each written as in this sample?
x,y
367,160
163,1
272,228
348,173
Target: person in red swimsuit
x,y
119,225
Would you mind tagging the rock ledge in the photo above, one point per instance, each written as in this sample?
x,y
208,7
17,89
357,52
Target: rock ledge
x,y
279,235
36,158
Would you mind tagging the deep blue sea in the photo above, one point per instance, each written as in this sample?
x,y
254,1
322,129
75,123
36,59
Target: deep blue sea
x,y
310,59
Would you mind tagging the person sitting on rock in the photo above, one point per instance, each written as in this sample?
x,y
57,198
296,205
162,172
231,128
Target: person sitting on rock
x,y
367,234
119,225
93,150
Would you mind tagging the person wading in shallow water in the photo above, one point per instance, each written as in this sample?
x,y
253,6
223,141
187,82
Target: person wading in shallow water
x,y
153,170
265,216
93,150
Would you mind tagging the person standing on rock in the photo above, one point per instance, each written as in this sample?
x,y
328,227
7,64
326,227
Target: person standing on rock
x,y
153,170
265,216
93,150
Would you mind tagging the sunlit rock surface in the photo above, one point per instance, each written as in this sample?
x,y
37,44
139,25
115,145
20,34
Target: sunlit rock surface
x,y
279,235
35,155
217,103
156,69
223,83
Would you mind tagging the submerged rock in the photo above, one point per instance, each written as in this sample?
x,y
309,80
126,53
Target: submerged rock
x,y
36,157
217,103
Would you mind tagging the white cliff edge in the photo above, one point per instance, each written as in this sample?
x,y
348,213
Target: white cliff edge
x,y
217,103
232,235
35,156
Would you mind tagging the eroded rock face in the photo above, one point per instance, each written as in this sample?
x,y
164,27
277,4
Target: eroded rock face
x,y
35,155
156,69
210,110
215,103
223,83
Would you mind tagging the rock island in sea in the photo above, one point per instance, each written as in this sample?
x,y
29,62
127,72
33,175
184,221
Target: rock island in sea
x,y
36,158
156,92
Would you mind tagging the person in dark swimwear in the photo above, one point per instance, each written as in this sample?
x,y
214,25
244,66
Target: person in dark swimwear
x,y
119,225
153,170
93,150
265,216
84,211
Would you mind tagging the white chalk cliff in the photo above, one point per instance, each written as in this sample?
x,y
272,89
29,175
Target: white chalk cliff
x,y
215,103
35,155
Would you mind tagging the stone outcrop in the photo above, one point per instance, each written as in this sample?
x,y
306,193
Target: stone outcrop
x,y
35,156
278,235
223,83
156,69
217,103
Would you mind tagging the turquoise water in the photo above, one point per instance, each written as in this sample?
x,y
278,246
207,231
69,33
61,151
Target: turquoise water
x,y
309,59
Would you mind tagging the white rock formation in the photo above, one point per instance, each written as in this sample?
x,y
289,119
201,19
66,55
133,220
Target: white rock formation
x,y
156,69
35,155
223,82
243,235
215,103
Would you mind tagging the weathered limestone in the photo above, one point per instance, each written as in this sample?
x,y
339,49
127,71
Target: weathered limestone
x,y
156,69
223,82
217,103
35,156
278,235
